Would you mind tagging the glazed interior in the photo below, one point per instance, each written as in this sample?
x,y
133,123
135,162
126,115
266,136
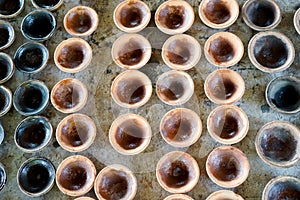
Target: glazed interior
x,y
46,3
131,53
72,55
180,51
9,7
221,50
285,189
6,67
217,12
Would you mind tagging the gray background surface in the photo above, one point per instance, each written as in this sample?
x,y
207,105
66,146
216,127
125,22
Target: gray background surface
x,y
98,77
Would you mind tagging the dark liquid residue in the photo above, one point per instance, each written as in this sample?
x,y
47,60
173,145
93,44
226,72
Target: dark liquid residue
x,y
217,12
8,7
229,127
285,191
113,185
224,89
261,14
172,91
74,133
221,50
286,98
73,177
132,54
34,178
225,168
31,136
66,96
176,174
30,59
39,25
46,3
79,22
71,56
4,69
131,17
270,52
31,98
278,145
179,58
172,16
129,135
3,100
4,36
177,128
131,92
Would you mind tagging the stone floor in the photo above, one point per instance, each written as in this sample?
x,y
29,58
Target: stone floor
x,y
98,77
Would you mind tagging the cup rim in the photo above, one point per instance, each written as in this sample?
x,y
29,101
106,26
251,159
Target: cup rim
x,y
11,67
8,93
12,35
296,20
15,13
224,194
50,8
5,176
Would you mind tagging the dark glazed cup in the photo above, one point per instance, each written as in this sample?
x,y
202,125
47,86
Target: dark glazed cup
x,y
11,8
7,67
50,5
38,25
36,176
31,97
3,176
5,100
7,34
283,94
261,15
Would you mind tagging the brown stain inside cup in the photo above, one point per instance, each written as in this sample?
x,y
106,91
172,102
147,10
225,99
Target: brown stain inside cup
x,y
131,54
74,132
73,177
177,128
131,16
79,21
285,190
271,52
227,127
217,12
171,91
113,185
66,96
221,50
31,136
278,144
224,167
172,16
130,134
131,91
176,174
179,58
222,88
8,7
71,56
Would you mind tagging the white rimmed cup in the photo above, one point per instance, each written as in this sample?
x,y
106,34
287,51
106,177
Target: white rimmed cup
x,y
33,134
7,67
277,143
223,49
132,16
297,20
227,124
76,132
181,52
75,175
6,100
131,89
3,177
174,17
7,35
73,55
15,8
36,176
130,134
48,5
181,127
218,14
69,95
227,166
131,51
183,164
283,94
224,86
113,175
174,87
178,197
278,47
81,21
282,187
261,15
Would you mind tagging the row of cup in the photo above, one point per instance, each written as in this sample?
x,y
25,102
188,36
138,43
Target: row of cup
x,y
174,17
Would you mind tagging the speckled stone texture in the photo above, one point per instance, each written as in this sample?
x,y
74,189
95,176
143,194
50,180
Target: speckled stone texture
x,y
98,77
